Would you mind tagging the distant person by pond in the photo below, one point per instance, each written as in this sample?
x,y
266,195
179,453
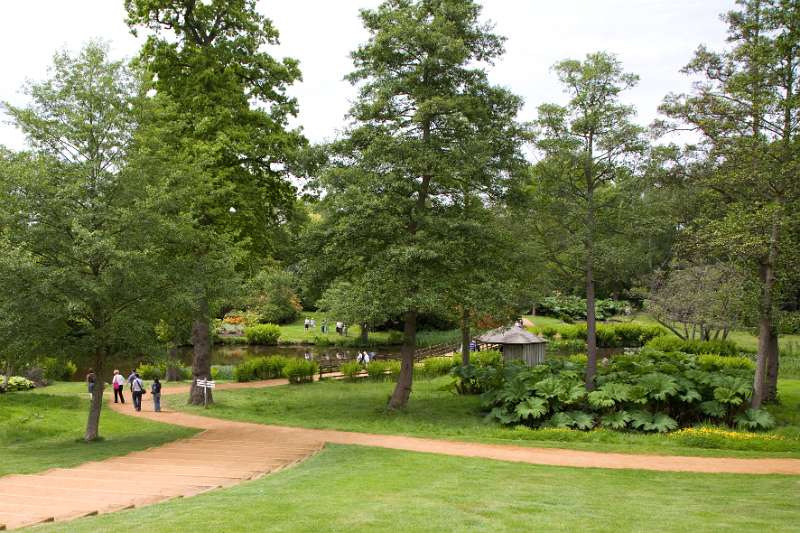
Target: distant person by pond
x,y
344,329
91,378
324,326
155,389
118,383
306,324
339,327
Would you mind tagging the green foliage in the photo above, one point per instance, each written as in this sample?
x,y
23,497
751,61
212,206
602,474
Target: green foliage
x,y
267,334
378,370
437,366
260,368
674,344
720,362
16,383
148,371
572,308
223,372
628,335
272,296
57,369
298,370
651,391
351,369
480,375
755,419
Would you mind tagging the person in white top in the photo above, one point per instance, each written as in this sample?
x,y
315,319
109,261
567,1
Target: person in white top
x,y
366,357
118,382
137,388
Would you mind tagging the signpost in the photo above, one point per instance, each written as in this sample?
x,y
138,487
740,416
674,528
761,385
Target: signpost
x,y
206,384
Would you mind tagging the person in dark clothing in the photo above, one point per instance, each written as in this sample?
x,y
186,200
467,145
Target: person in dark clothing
x,y
155,389
118,382
91,378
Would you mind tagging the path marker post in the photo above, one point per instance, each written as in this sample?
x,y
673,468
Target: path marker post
x,y
206,384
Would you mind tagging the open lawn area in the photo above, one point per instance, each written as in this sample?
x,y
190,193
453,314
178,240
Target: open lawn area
x,y
350,488
43,428
434,412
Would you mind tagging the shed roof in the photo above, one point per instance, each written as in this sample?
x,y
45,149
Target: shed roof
x,y
510,335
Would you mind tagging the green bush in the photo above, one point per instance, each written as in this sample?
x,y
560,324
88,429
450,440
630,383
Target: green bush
x,y
351,369
58,369
569,308
149,372
674,344
267,334
298,370
222,371
260,368
432,367
394,369
651,391
625,335
378,370
566,346
395,337
16,383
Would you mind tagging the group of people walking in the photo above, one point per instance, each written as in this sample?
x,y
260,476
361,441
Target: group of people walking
x,y
136,385
341,327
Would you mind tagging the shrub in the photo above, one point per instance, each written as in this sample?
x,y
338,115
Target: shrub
x,y
222,371
260,368
351,369
377,370
262,334
566,346
674,344
394,368
149,372
574,307
395,337
298,370
652,391
55,369
16,383
273,298
436,366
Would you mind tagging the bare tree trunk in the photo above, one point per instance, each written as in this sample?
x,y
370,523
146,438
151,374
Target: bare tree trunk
x,y
364,334
9,371
773,365
591,328
767,335
93,422
201,360
402,391
172,369
465,337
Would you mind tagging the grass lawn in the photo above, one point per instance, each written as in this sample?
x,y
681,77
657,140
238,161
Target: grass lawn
x,y
350,488
433,412
43,429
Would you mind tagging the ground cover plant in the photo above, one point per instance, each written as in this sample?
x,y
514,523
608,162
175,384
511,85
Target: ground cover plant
x,y
329,489
42,429
649,391
617,335
437,411
571,308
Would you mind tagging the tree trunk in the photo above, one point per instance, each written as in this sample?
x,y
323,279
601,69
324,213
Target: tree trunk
x,y
201,358
364,334
465,337
93,422
591,330
767,335
9,371
773,364
402,391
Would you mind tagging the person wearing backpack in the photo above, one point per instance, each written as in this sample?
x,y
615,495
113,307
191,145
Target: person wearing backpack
x,y
155,389
137,389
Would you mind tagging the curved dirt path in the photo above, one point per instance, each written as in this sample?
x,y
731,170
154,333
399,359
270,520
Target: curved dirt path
x,y
228,452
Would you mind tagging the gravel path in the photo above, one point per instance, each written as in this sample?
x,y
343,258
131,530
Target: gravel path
x,y
228,452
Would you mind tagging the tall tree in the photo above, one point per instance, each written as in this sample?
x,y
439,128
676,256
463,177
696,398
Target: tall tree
x,y
226,125
746,109
84,221
427,125
590,149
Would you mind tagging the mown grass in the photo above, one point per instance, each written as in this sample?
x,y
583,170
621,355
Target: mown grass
x,y
434,412
351,488
43,429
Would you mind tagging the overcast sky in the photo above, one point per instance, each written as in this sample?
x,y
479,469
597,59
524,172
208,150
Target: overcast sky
x,y
653,38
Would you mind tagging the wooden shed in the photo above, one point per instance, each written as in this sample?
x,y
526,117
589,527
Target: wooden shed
x,y
517,344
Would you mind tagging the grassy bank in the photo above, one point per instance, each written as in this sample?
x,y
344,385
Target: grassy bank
x,y
350,488
433,412
43,429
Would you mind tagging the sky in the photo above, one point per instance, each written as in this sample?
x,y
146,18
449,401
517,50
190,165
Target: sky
x,y
652,38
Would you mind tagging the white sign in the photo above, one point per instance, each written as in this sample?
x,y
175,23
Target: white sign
x,y
206,383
